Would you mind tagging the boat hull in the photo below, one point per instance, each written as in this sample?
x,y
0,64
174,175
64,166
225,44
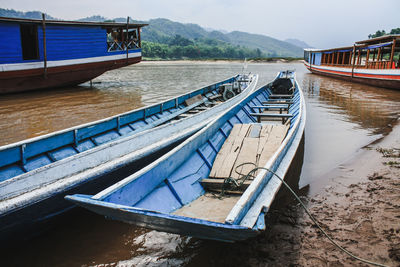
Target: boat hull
x,y
170,224
60,76
172,182
27,221
374,77
39,194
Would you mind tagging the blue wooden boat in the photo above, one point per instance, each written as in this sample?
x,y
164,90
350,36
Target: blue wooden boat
x,y
37,173
186,191
38,54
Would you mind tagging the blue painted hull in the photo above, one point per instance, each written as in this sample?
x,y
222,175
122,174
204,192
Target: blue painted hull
x,y
28,221
36,174
151,196
38,54
167,223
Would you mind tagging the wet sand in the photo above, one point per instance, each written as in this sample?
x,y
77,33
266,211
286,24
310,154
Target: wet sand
x,y
359,207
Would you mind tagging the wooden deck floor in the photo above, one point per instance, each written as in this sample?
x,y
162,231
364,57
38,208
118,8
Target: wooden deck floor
x,y
209,207
254,143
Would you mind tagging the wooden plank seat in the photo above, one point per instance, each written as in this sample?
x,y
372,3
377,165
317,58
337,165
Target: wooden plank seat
x,y
217,185
281,96
201,108
278,101
247,146
280,107
284,117
213,97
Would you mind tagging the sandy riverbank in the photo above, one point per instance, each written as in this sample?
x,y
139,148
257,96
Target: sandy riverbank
x,y
218,61
360,209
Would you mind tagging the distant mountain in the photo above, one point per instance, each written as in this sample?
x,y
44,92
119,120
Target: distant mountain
x,y
298,43
164,30
19,14
95,18
161,30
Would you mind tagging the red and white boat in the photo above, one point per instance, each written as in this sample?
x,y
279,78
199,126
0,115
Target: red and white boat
x,y
373,61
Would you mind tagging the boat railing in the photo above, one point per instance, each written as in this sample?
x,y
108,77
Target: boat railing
x,y
336,65
368,65
121,46
380,65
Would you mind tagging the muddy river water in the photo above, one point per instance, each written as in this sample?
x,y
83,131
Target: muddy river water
x,y
342,118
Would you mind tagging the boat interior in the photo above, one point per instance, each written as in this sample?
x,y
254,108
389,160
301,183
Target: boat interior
x,y
207,179
23,157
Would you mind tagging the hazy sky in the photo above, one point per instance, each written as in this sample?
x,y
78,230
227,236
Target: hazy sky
x,y
319,23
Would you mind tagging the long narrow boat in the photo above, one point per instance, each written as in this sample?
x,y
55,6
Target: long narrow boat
x,y
371,62
36,174
39,54
196,188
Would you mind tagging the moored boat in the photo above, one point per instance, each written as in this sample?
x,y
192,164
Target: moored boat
x,y
39,54
37,173
208,186
370,61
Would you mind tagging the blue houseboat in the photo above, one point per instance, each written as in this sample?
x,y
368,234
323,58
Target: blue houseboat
x,y
38,54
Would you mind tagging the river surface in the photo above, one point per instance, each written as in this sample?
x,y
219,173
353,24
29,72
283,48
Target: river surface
x,y
342,118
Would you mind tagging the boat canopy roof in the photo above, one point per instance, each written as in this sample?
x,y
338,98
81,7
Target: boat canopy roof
x,y
381,39
74,23
331,50
373,43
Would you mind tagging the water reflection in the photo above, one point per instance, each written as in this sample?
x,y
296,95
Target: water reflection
x,y
372,108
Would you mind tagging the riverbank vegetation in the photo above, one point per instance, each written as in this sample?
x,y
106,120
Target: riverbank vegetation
x,y
178,48
181,48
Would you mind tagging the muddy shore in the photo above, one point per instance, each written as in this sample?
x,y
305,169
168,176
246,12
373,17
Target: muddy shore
x,y
359,208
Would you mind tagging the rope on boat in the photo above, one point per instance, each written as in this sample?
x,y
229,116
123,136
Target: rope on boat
x,y
238,182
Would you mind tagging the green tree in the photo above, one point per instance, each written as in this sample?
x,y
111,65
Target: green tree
x,y
180,41
395,31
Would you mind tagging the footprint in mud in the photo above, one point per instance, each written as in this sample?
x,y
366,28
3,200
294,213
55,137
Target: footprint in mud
x,y
365,228
352,218
313,260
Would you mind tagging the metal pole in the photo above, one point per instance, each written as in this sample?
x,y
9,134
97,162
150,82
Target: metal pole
x,y
354,61
44,46
392,53
127,39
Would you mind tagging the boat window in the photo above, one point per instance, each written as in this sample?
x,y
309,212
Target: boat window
x,y
119,40
29,41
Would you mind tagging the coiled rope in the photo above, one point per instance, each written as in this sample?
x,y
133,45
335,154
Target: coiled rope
x,y
243,177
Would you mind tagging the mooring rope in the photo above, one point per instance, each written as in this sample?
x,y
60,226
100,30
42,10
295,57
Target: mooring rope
x,y
239,182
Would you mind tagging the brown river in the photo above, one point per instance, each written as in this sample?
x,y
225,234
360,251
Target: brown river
x,y
342,118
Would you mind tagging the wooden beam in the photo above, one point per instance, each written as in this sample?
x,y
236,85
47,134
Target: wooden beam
x,y
140,40
354,61
218,184
392,52
366,59
44,46
127,40
378,57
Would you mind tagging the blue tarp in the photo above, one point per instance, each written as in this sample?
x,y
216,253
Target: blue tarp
x,y
343,50
375,46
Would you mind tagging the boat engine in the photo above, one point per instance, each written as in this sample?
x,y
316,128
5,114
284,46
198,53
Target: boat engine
x,y
282,86
229,90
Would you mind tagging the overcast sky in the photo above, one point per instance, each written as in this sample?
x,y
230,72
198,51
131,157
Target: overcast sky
x,y
320,23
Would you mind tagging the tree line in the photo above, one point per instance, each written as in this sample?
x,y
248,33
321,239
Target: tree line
x,y
380,33
179,47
